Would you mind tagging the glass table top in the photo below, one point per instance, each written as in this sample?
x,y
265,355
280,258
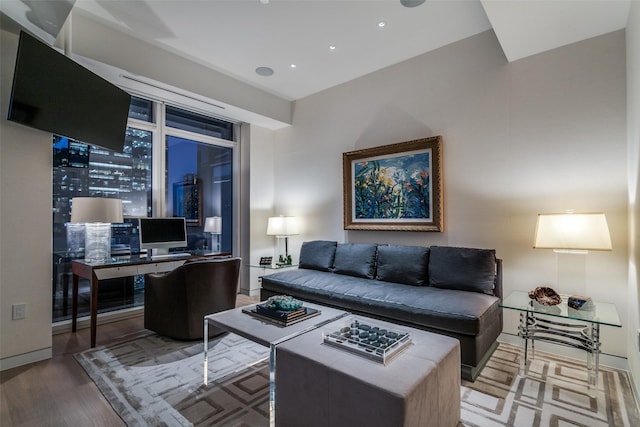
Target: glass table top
x,y
601,312
273,266
147,258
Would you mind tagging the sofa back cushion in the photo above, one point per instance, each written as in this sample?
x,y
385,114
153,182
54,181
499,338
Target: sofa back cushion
x,y
403,264
355,259
317,255
464,269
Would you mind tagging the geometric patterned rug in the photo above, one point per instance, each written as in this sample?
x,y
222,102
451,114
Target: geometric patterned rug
x,y
554,393
150,380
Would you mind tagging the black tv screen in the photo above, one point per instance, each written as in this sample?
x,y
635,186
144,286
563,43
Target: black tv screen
x,y
53,93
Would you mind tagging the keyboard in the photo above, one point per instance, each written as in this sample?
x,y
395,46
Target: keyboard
x,y
171,255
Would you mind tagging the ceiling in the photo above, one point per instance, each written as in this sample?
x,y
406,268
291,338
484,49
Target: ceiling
x,y
236,37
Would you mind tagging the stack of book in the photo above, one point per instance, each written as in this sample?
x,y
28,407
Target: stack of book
x,y
281,315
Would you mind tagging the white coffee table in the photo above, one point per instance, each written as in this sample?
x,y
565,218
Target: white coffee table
x,y
266,334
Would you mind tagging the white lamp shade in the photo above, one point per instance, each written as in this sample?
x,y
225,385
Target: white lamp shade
x,y
573,231
282,226
213,224
96,209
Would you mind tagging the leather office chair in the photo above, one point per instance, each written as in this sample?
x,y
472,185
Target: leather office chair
x,y
175,303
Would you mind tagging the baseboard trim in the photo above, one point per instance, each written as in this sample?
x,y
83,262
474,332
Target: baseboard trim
x,y
103,318
25,358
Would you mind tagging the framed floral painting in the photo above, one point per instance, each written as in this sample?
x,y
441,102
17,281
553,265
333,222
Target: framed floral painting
x,y
394,187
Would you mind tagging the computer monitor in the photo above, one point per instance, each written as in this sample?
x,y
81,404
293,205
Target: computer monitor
x,y
161,234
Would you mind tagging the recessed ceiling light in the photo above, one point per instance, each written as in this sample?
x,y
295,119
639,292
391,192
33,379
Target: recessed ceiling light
x,y
264,71
264,1
293,65
411,3
332,47
382,24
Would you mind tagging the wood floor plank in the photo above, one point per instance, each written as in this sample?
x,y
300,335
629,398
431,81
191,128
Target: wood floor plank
x,y
58,392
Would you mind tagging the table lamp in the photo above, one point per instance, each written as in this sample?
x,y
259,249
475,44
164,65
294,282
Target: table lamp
x,y
283,227
97,213
213,225
573,233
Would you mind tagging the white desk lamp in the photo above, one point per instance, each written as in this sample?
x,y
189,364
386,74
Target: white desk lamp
x,y
213,225
283,227
97,213
573,233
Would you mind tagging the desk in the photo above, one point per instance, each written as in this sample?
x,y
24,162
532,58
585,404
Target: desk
x,y
119,267
551,324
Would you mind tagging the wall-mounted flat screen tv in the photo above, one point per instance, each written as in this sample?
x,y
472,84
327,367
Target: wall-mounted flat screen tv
x,y
53,93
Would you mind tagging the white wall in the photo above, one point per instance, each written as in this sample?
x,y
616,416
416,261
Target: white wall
x,y
543,134
633,137
25,230
261,190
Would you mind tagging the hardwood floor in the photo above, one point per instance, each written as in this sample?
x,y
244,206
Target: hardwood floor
x,y
57,392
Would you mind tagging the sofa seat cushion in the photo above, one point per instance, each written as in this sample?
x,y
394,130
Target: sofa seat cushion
x,y
432,308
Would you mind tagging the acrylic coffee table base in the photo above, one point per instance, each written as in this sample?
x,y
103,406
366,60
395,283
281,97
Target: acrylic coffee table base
x,y
266,334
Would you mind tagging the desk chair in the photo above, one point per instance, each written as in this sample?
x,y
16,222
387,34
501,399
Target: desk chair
x,y
175,303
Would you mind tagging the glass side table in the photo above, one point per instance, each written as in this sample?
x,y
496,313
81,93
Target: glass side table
x,y
273,266
561,324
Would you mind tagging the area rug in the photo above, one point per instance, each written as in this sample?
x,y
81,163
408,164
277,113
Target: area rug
x,y
155,381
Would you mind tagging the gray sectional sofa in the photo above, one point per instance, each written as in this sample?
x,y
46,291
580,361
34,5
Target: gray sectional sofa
x,y
447,290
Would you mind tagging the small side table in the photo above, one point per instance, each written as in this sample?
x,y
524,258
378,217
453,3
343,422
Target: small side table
x,y
273,266
563,325
266,270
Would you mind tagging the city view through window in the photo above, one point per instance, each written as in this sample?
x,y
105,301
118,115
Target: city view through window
x,y
83,170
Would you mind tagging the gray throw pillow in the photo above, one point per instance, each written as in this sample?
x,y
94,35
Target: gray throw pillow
x,y
403,264
355,259
465,269
317,255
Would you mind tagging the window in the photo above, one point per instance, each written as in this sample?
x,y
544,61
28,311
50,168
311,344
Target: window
x,y
84,170
197,149
199,185
198,123
141,109
199,176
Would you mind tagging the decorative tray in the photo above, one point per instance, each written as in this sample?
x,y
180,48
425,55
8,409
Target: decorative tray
x,y
280,317
366,339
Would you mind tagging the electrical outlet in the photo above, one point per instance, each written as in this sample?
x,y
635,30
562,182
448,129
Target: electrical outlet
x,y
18,311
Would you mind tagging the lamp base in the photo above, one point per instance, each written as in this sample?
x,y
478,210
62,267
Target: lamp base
x,y
97,242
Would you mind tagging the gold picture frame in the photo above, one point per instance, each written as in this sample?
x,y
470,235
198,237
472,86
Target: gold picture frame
x,y
395,187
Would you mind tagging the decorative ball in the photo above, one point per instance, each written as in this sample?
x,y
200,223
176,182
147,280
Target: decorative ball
x,y
283,303
545,295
